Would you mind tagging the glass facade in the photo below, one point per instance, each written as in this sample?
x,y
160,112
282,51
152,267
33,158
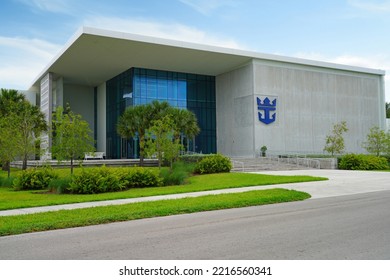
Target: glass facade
x,y
141,86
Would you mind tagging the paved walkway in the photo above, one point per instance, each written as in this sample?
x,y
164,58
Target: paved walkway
x,y
340,183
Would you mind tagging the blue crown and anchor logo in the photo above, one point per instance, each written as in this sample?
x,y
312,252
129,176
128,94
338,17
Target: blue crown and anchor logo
x,y
267,107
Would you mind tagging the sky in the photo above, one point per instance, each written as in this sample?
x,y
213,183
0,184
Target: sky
x,y
352,32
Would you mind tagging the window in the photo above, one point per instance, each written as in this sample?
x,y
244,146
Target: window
x,y
191,91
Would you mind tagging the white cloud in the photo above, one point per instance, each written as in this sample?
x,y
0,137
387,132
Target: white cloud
x,y
206,7
379,61
172,31
370,6
21,60
57,6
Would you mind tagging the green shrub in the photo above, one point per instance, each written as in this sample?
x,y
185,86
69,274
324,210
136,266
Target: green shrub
x,y
34,178
213,164
138,177
194,158
95,180
173,177
188,167
103,179
60,185
363,162
388,158
179,173
6,182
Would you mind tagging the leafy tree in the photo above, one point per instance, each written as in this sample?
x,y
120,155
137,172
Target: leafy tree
x,y
334,142
135,121
72,137
161,141
31,123
9,99
26,118
8,146
184,123
378,141
388,110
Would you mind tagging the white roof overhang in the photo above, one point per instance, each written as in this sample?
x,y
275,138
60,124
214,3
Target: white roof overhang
x,y
93,56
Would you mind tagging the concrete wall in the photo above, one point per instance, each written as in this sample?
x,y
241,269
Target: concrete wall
x,y
234,106
101,118
310,100
31,96
81,101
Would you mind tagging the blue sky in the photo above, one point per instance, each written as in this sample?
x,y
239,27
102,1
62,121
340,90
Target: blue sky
x,y
354,32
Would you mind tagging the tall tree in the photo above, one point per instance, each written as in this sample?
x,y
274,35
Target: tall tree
x,y
31,122
378,141
28,120
133,123
157,110
8,146
161,141
72,137
184,124
136,120
334,142
9,99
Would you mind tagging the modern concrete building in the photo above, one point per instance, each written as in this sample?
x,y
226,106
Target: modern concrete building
x,y
243,100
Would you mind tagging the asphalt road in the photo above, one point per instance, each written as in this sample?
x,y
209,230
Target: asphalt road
x,y
344,227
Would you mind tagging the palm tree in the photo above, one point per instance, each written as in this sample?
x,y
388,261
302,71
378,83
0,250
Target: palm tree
x,y
8,99
184,122
134,122
158,110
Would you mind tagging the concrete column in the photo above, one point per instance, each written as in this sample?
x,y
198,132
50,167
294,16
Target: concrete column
x,y
101,118
46,108
382,102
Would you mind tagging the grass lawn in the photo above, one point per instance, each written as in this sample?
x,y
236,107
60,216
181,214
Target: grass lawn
x,y
107,214
11,199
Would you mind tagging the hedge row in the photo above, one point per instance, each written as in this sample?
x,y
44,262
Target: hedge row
x,y
35,179
103,179
363,162
89,180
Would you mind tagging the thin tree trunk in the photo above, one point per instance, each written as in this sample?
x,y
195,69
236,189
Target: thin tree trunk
x,y
24,166
5,166
71,166
141,149
159,160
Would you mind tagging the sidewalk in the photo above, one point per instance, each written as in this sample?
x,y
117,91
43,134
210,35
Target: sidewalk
x,y
340,182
